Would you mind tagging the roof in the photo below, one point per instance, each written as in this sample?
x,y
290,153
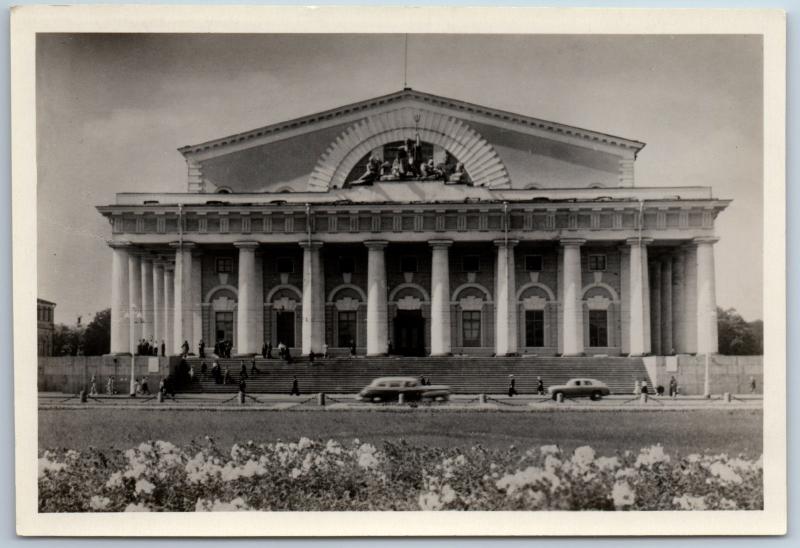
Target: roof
x,y
42,301
409,93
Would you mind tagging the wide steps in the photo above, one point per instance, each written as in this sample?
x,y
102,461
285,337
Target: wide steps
x,y
471,375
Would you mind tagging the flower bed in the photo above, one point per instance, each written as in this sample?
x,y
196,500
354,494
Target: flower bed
x,y
314,475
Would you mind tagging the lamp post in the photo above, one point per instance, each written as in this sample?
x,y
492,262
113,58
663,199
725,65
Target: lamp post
x,y
134,318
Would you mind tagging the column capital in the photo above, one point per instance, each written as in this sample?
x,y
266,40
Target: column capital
x,y
705,240
313,244
637,241
504,242
246,245
376,244
117,244
439,244
572,242
183,245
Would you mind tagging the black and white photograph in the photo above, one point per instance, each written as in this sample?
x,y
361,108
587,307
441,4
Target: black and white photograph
x,y
423,269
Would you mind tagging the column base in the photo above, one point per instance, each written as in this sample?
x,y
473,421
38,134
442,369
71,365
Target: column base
x,y
377,355
440,354
573,355
245,355
117,354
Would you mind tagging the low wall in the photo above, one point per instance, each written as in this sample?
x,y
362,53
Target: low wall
x,y
726,373
71,374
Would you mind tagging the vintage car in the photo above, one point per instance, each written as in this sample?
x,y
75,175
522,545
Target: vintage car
x,y
389,388
576,388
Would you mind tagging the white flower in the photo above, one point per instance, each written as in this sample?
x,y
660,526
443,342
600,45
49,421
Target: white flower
x,y
511,483
304,443
551,463
651,455
607,463
333,447
144,486
115,480
99,503
725,473
583,456
728,504
694,457
549,450
622,494
237,504
366,456
47,465
296,473
137,508
429,501
688,502
448,494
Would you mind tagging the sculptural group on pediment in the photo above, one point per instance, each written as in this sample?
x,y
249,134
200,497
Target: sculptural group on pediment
x,y
410,165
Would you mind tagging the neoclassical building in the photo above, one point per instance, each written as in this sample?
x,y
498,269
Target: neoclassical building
x,y
417,225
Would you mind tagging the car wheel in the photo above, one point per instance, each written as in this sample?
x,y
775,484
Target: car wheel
x,y
596,395
555,395
440,398
377,399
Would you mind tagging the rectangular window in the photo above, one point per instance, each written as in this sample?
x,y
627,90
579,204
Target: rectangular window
x,y
285,265
408,264
534,328
471,327
598,328
597,263
471,263
224,265
346,264
533,263
347,328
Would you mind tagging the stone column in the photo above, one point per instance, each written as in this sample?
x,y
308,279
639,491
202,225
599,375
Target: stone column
x,y
678,299
667,343
440,298
639,315
169,308
147,298
505,319
707,342
159,316
313,330
245,315
377,321
135,296
690,295
183,318
120,328
655,307
573,303
197,300
625,298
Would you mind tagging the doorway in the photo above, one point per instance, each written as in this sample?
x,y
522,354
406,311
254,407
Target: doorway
x,y
409,333
284,328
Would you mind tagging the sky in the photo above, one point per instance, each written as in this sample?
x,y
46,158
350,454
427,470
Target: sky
x,y
113,109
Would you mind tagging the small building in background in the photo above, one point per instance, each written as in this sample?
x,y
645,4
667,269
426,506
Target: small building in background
x,y
46,326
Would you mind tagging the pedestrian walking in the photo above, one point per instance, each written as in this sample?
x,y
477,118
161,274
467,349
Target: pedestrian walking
x,y
752,385
637,388
163,348
352,348
673,386
93,386
295,387
644,388
145,387
512,386
325,351
539,386
110,385
243,371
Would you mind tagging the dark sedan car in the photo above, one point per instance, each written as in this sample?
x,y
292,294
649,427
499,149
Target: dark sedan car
x,y
389,388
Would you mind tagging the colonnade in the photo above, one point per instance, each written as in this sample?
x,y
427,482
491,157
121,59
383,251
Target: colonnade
x,y
160,299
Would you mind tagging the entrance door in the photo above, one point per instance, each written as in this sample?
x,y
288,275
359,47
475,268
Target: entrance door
x,y
409,333
285,327
223,325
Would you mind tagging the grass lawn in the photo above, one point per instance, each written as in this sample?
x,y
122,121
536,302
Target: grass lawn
x,y
680,432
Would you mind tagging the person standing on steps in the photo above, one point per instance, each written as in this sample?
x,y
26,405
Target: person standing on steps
x,y
539,386
201,349
295,387
264,350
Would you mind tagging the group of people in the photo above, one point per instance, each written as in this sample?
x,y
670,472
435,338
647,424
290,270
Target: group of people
x,y
512,386
222,348
409,164
150,348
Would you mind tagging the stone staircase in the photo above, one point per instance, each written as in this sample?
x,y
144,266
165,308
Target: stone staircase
x,y
465,375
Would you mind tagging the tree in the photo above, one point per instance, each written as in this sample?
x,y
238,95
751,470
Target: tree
x,y
97,336
738,337
66,340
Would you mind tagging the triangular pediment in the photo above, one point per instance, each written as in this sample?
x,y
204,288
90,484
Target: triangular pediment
x,y
318,152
